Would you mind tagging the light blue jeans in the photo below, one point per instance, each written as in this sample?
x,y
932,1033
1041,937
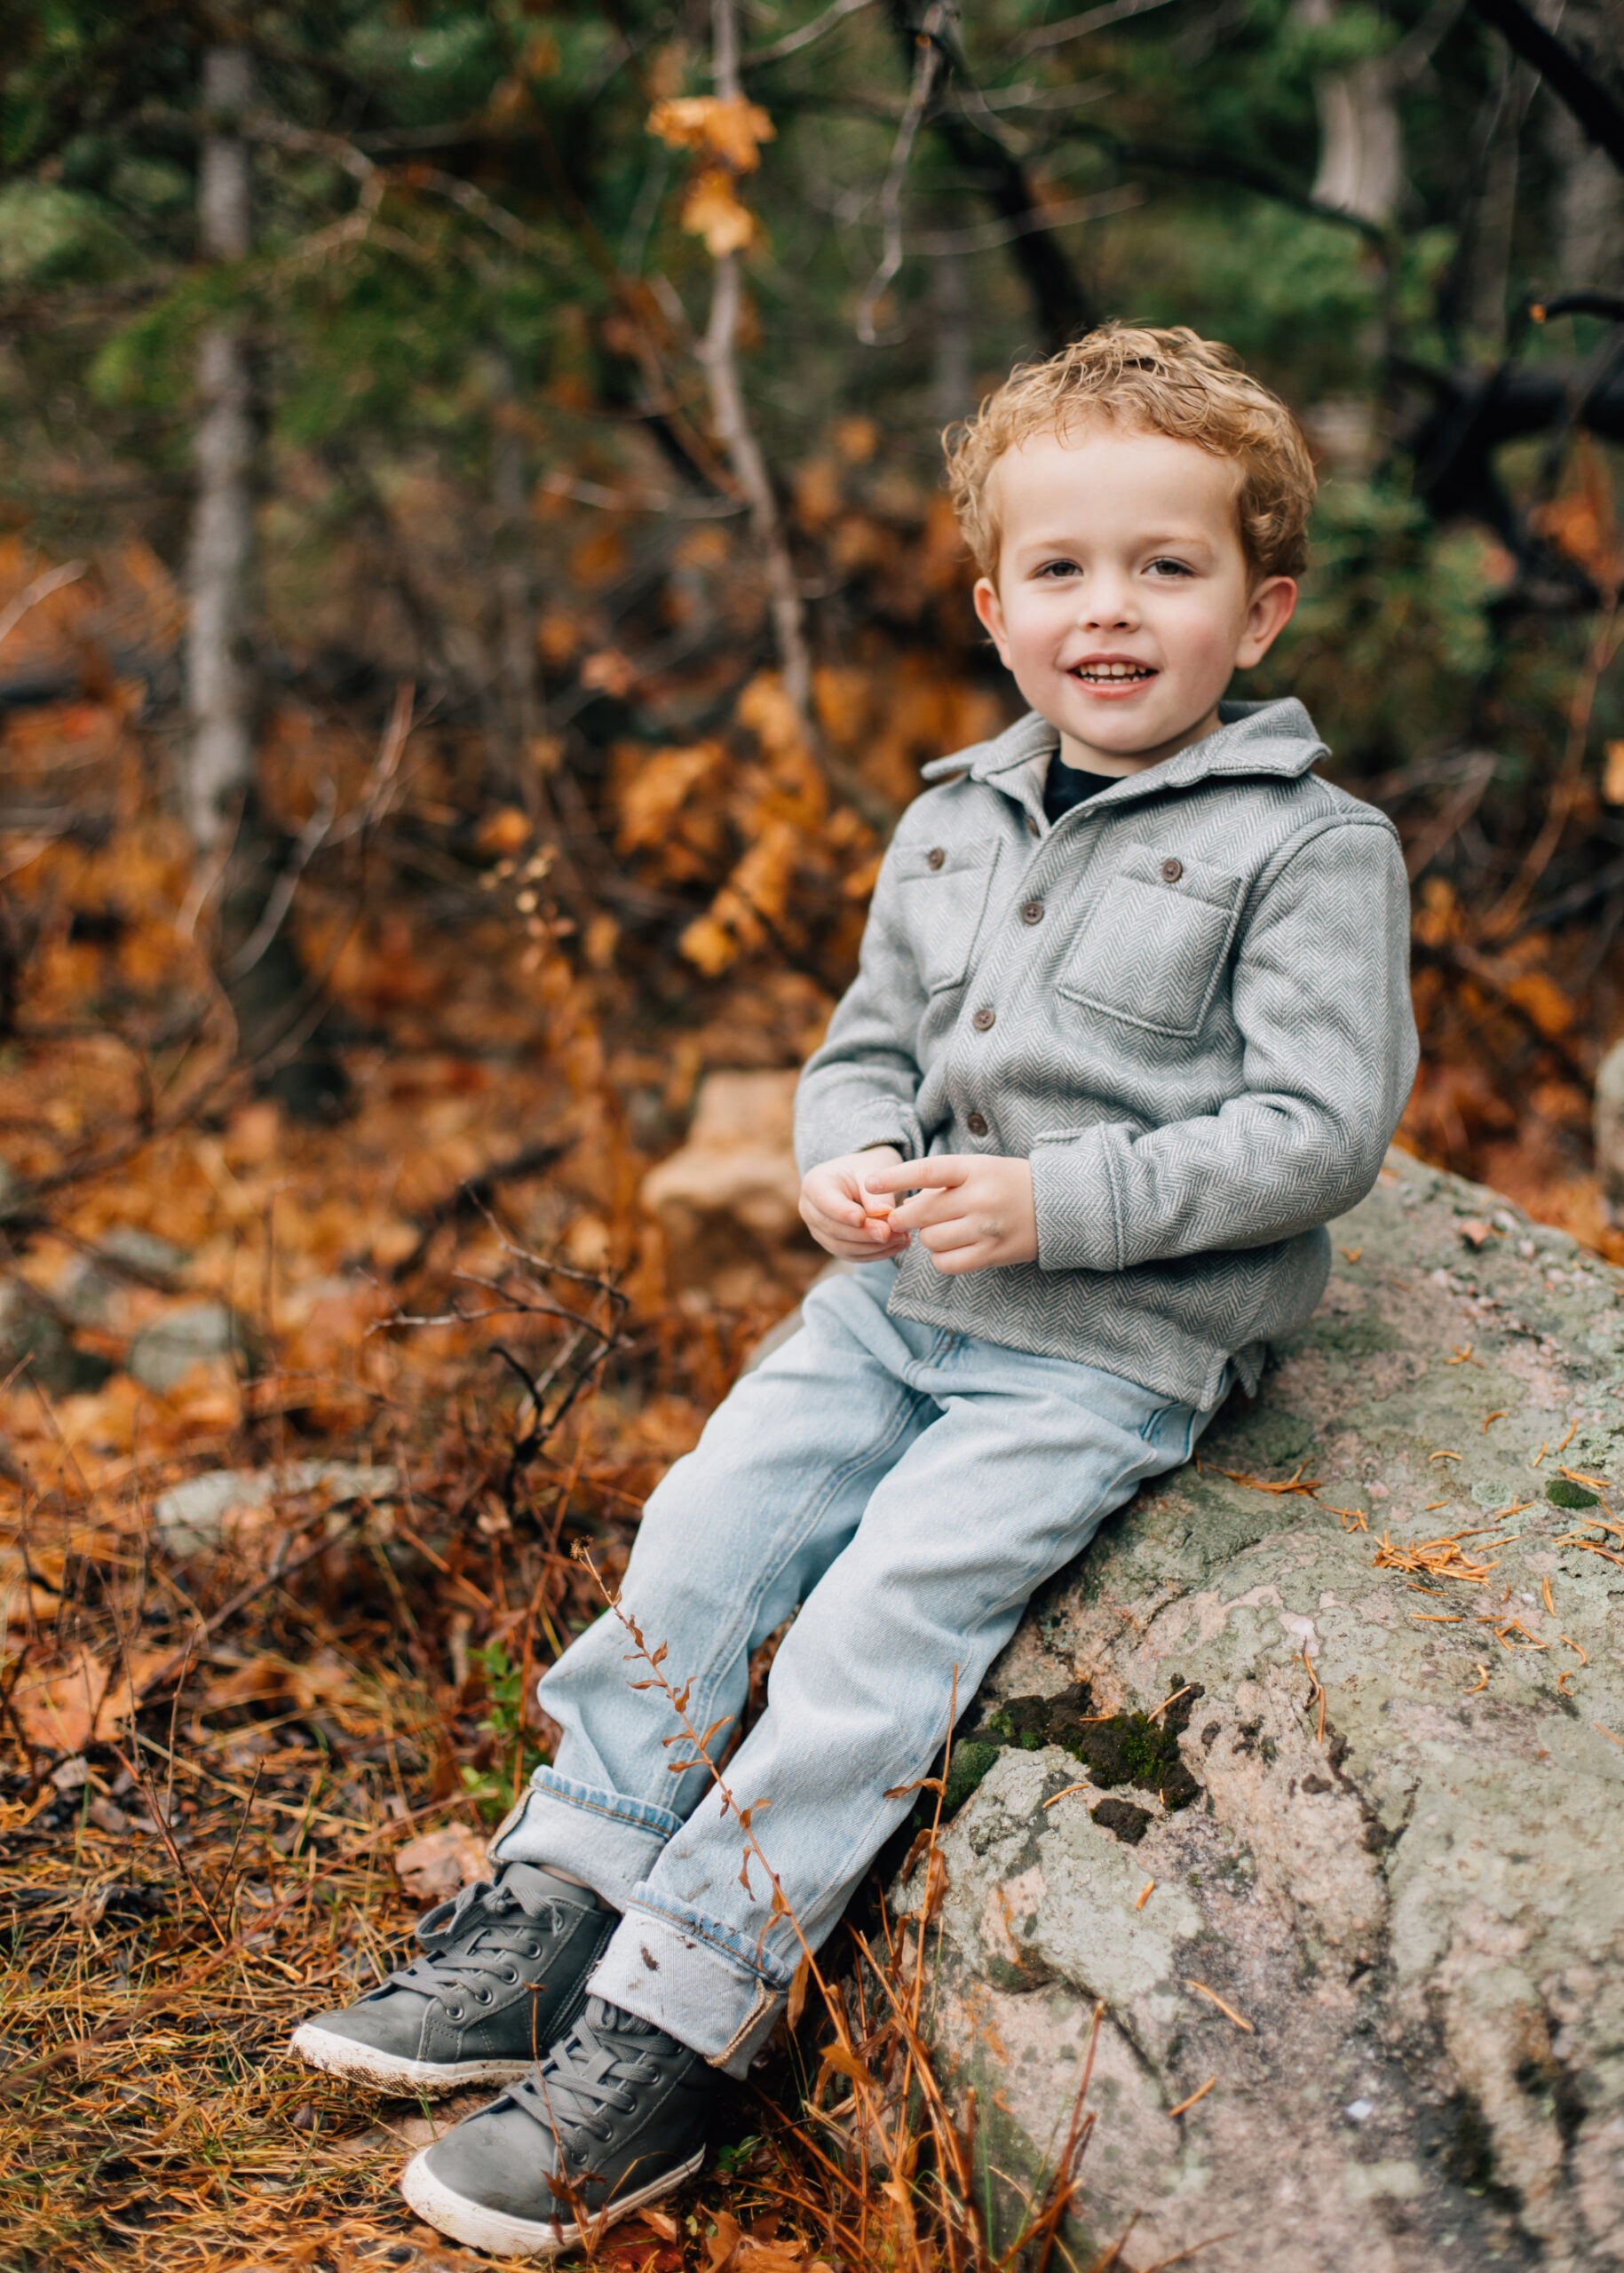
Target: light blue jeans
x,y
908,1488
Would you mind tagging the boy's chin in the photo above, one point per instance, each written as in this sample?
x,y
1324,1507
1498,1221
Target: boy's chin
x,y
1122,734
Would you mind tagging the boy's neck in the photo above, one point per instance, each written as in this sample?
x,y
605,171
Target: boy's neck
x,y
1082,757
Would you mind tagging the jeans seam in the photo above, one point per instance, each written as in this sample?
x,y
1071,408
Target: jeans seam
x,y
868,1842
908,1400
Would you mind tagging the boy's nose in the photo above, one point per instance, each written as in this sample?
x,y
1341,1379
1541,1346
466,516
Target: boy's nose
x,y
1106,609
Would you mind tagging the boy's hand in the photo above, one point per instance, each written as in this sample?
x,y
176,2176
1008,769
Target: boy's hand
x,y
971,1210
846,1213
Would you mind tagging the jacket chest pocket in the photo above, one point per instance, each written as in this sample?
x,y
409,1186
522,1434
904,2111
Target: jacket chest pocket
x,y
1154,945
943,891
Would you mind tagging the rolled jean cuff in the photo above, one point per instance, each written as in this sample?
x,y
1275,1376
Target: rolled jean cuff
x,y
610,1841
689,1985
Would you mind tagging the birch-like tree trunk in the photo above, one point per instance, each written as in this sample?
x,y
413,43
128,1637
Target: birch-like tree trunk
x,y
718,354
219,684
1361,143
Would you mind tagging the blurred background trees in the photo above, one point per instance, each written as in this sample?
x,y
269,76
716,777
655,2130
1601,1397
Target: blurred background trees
x,y
562,384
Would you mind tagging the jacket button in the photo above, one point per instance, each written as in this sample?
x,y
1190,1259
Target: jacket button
x,y
935,856
1172,870
984,1017
976,1122
1032,912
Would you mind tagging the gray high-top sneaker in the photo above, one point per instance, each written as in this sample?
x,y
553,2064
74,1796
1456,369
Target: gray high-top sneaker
x,y
616,2116
503,1974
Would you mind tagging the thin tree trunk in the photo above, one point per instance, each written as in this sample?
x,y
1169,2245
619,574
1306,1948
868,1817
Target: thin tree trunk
x,y
718,353
220,684
279,1032
1362,142
952,370
1362,150
1590,207
515,594
1496,215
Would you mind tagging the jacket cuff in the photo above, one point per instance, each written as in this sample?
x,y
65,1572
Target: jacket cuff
x,y
1078,1206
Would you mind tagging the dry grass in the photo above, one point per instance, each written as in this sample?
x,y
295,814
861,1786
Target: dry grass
x,y
156,1967
210,1773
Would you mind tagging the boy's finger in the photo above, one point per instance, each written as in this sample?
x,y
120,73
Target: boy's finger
x,y
950,1237
931,1206
914,1175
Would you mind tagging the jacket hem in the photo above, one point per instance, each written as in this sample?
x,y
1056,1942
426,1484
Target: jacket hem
x,y
1199,1382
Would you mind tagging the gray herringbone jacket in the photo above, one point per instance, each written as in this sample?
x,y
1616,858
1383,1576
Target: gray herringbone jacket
x,y
1186,1003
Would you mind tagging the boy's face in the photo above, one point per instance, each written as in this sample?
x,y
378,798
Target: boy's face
x,y
1124,600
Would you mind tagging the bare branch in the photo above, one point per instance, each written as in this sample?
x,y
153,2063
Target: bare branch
x,y
12,614
1600,116
281,899
939,244
793,42
927,70
1092,20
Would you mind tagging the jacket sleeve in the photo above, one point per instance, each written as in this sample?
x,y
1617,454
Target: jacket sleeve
x,y
1320,992
858,1087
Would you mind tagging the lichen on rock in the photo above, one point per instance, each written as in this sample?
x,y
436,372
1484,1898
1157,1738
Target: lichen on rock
x,y
1397,1850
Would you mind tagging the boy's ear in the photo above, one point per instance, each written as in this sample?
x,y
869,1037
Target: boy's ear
x,y
1269,611
990,609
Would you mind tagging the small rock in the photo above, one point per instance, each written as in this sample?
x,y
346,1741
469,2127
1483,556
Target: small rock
x,y
739,1160
191,1516
89,1288
71,1775
28,1330
194,1516
107,1816
440,1863
163,1353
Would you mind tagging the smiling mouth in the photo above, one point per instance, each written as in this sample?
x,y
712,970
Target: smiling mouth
x,y
1112,674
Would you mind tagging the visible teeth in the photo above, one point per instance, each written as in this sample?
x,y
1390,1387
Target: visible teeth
x,y
1113,670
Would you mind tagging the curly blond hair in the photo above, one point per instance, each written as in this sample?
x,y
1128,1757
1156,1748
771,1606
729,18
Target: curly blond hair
x,y
1170,382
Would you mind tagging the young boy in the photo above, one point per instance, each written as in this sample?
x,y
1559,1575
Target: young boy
x,y
1132,1023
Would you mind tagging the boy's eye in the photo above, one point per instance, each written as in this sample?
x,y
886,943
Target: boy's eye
x,y
1058,568
1165,567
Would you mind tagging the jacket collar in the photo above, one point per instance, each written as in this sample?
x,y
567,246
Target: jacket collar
x,y
1253,738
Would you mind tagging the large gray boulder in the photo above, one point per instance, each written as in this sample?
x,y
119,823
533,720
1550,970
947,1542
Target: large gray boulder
x,y
1416,1899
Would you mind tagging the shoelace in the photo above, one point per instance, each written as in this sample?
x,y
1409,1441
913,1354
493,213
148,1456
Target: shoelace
x,y
484,1928
590,2072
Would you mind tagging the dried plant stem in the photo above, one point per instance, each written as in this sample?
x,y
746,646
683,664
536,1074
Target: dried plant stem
x,y
678,1701
1503,917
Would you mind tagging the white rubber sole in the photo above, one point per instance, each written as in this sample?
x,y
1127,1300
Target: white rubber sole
x,y
388,2072
480,2227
